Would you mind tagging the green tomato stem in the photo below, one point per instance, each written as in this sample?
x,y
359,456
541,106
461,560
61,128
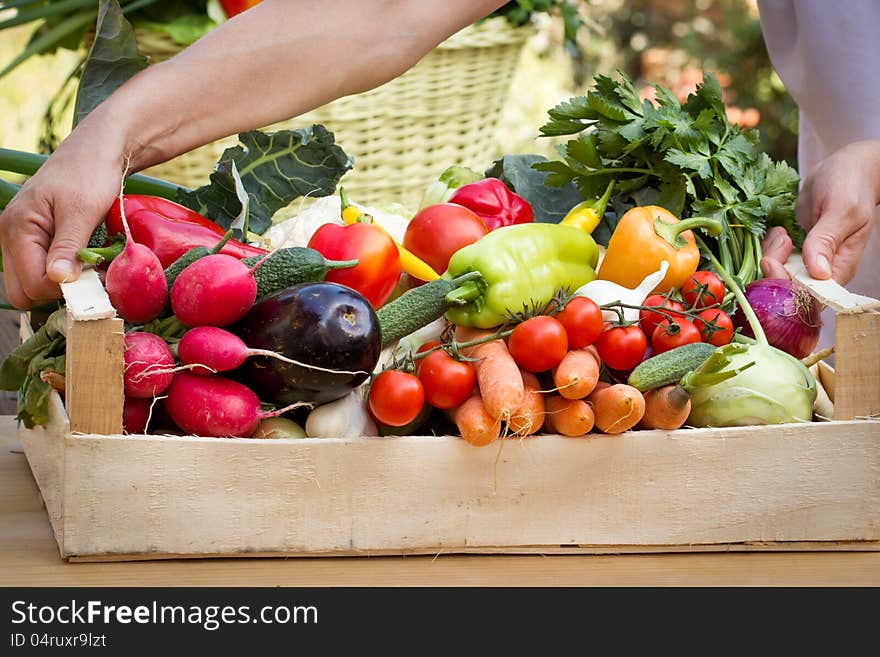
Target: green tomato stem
x,y
751,317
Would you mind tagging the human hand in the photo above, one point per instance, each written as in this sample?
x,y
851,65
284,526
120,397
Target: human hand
x,y
54,214
837,201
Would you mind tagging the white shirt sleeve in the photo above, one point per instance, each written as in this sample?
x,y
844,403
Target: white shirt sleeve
x,y
827,53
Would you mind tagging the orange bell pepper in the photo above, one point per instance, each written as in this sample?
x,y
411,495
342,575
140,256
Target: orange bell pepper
x,y
648,235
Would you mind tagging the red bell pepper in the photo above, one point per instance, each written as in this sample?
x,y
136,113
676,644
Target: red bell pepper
x,y
169,229
378,269
495,204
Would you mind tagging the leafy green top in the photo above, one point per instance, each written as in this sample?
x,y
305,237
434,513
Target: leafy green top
x,y
275,169
685,157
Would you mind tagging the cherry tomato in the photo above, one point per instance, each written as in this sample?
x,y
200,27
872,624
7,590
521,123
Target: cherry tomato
x,y
425,346
702,288
669,335
622,347
396,397
648,319
538,344
715,326
447,382
583,322
438,231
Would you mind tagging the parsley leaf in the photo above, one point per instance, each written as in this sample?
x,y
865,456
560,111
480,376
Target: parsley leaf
x,y
686,157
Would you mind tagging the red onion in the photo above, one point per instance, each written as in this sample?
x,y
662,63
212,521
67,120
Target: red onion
x,y
790,316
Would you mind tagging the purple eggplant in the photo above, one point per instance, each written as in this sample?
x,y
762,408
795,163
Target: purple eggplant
x,y
330,330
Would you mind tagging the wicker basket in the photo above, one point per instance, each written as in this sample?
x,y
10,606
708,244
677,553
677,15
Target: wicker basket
x,y
443,111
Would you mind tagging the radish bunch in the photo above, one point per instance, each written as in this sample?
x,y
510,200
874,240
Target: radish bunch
x,y
211,292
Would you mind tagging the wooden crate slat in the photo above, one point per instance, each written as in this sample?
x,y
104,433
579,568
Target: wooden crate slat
x,y
788,483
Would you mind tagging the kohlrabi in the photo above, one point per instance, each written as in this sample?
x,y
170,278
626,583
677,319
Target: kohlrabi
x,y
753,383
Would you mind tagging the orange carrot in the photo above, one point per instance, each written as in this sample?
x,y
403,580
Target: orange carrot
x,y
474,424
600,385
617,408
498,376
666,408
577,373
529,417
569,417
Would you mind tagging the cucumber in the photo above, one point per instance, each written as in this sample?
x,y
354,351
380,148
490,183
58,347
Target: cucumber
x,y
292,266
422,305
98,237
414,309
173,270
670,366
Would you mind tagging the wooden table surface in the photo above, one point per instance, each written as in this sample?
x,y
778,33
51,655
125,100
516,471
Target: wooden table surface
x,y
29,557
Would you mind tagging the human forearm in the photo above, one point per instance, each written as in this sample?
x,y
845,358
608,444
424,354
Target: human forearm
x,y
273,62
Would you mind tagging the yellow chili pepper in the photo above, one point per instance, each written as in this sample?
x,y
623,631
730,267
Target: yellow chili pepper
x,y
409,262
586,215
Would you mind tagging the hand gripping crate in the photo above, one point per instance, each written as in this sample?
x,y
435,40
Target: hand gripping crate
x,y
812,486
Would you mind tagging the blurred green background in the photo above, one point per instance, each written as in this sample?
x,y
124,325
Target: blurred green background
x,y
665,41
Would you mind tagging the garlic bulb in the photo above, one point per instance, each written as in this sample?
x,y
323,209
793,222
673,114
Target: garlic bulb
x,y
606,292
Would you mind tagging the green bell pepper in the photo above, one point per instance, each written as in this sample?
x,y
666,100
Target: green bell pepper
x,y
521,265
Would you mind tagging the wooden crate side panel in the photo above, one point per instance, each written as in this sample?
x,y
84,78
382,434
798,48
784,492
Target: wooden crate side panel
x,y
817,482
94,370
857,366
44,450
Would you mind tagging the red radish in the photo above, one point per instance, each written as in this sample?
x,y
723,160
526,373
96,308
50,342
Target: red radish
x,y
209,349
135,413
216,290
135,280
216,406
148,364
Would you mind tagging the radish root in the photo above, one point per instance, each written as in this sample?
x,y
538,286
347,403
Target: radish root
x,y
275,354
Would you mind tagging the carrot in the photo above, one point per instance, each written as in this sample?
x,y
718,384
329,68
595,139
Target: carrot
x,y
498,376
577,373
617,408
529,417
569,417
666,408
474,424
601,385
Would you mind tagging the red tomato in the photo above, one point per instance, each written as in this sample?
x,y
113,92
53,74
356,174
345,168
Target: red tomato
x,y
675,334
648,319
702,288
438,231
378,269
538,344
447,382
396,397
622,347
425,346
715,326
583,322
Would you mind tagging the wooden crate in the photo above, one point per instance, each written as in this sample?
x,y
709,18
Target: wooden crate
x,y
809,486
